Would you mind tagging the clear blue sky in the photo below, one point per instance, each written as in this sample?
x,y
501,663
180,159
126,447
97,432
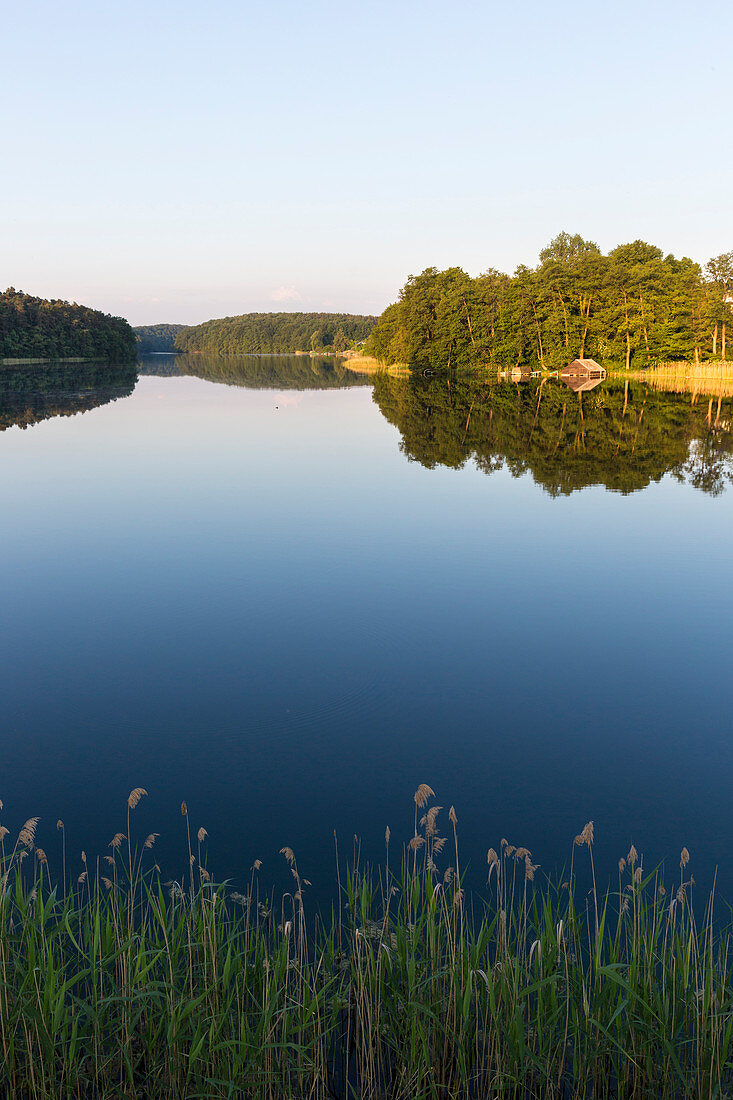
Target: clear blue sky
x,y
174,161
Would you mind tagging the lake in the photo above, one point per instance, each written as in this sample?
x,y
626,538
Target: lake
x,y
287,594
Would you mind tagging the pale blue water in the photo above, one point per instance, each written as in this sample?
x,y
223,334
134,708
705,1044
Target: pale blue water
x,y
249,599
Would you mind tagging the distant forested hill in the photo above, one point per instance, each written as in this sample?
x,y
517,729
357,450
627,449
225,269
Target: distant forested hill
x,y
152,338
272,333
34,328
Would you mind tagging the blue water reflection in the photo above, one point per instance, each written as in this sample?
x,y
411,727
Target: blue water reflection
x,y
249,599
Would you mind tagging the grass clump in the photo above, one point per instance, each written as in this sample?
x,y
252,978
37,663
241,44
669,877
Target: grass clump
x,y
121,985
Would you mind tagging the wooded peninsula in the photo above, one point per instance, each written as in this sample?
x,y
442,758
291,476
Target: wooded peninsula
x,y
633,305
36,328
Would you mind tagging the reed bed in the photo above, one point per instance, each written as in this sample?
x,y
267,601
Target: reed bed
x,y
123,985
365,364
711,379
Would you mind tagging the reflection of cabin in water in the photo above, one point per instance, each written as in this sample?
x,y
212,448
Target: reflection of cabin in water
x,y
582,375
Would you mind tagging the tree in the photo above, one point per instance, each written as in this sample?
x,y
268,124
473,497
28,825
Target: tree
x,y
720,272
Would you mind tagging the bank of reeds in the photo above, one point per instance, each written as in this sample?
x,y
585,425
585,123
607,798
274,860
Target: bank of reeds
x,y
710,379
122,985
365,364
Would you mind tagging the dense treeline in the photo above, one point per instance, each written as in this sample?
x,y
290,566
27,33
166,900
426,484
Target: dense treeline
x,y
622,434
31,394
34,328
263,333
633,305
152,338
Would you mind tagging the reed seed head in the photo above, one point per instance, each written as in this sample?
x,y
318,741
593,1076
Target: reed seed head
x,y
621,865
637,876
116,840
202,835
150,840
82,877
59,824
423,794
491,857
452,816
632,856
289,855
684,857
3,832
83,857
135,795
27,834
41,855
416,843
586,836
257,864
387,835
184,809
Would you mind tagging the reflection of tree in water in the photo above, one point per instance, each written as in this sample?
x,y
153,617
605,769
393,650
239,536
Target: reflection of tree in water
x,y
621,434
29,394
276,372
708,466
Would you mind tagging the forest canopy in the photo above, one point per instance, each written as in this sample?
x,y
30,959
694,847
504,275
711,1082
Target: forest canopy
x,y
633,305
272,333
37,328
152,338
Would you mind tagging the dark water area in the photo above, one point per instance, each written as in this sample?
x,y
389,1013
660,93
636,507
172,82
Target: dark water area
x,y
289,594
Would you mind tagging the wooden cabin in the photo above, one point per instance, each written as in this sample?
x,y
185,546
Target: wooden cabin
x,y
582,375
583,368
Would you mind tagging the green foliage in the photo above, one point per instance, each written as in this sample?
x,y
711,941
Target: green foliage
x,y
152,338
33,328
114,983
621,434
633,306
263,333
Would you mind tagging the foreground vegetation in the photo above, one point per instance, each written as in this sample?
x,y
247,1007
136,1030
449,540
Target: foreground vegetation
x,y
632,306
34,328
273,333
121,985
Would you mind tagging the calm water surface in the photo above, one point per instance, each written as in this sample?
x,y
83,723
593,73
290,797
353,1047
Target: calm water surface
x,y
289,606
